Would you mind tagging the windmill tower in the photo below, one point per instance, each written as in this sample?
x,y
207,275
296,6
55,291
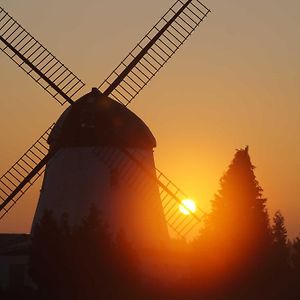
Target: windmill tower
x,y
100,152
89,168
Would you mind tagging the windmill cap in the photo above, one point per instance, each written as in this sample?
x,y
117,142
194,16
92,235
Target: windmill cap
x,y
96,120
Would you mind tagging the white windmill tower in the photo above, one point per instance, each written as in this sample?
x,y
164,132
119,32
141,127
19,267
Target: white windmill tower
x,y
89,168
100,152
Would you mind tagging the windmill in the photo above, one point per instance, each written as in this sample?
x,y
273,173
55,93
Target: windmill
x,y
122,153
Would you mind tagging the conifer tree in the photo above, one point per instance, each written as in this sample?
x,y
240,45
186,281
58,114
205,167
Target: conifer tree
x,y
296,255
280,243
236,237
294,287
279,231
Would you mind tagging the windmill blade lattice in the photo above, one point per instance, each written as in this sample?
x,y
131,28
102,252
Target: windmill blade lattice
x,y
21,176
32,57
170,195
154,50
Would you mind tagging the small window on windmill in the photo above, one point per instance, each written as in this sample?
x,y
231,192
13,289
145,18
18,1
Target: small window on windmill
x,y
114,178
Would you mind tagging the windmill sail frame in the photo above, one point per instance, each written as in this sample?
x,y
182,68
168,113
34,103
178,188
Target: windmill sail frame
x,y
155,49
21,176
33,58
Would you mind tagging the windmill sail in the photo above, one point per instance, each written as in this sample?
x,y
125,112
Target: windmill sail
x,y
32,57
20,177
154,50
170,195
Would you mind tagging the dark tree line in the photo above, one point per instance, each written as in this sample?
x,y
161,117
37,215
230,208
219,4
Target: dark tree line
x,y
82,262
239,254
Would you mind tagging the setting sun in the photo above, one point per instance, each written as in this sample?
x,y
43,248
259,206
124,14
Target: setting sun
x,y
187,206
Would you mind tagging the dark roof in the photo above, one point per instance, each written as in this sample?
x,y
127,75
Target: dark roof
x,y
14,244
95,120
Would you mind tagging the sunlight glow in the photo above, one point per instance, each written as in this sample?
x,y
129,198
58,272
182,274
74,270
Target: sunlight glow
x,y
187,206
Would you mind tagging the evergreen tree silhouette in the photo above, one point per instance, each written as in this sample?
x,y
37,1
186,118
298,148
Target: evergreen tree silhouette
x,y
280,243
294,287
279,279
236,239
296,255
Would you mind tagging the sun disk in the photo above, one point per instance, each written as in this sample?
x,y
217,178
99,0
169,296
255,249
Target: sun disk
x,y
187,206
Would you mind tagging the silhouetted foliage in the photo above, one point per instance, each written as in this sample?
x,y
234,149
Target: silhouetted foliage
x,y
296,255
280,244
233,247
279,265
238,255
83,262
46,260
293,280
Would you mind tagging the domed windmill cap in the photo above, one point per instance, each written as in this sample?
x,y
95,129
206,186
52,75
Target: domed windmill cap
x,y
96,120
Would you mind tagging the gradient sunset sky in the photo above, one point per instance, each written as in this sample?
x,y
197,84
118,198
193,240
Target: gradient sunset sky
x,y
234,83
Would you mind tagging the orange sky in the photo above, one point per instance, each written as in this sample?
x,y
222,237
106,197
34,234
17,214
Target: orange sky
x,y
234,83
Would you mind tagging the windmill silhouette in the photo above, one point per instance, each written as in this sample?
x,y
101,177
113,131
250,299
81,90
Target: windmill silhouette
x,y
100,127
